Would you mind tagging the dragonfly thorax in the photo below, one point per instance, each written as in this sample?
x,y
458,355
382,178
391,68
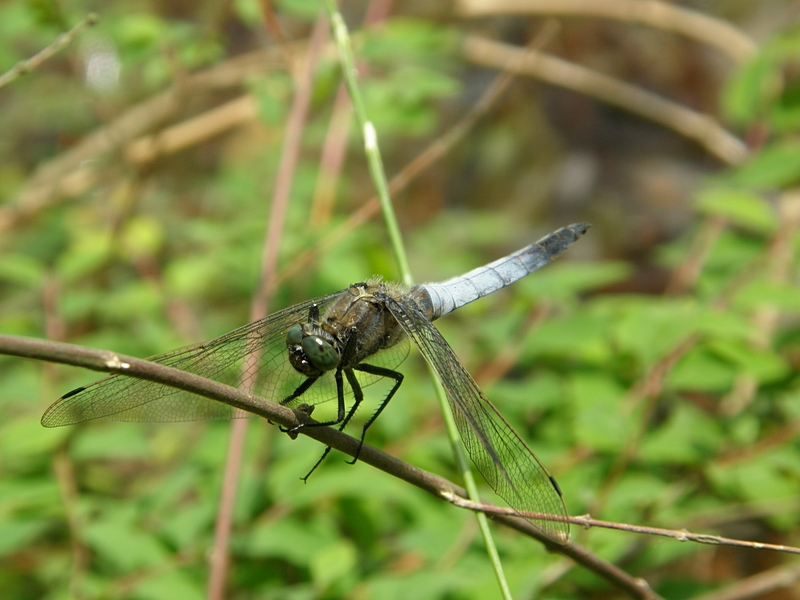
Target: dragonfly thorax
x,y
312,351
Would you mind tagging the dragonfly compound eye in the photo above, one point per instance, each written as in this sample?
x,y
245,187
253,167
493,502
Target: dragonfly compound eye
x,y
320,353
295,336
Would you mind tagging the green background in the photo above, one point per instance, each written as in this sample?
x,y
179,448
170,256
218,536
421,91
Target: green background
x,y
651,405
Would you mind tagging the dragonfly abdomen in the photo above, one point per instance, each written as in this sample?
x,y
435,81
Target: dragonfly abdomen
x,y
439,299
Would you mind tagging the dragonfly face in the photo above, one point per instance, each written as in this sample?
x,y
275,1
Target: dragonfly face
x,y
312,351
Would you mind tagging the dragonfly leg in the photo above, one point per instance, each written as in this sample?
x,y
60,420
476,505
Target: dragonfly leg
x,y
340,414
301,389
313,314
381,372
358,398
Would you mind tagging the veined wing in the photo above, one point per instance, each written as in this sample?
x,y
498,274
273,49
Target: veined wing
x,y
271,376
121,398
503,458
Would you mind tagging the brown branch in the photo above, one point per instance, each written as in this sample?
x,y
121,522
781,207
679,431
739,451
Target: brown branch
x,y
110,362
660,15
700,128
62,41
192,131
759,585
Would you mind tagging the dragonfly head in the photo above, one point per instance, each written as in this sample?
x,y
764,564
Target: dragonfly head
x,y
309,352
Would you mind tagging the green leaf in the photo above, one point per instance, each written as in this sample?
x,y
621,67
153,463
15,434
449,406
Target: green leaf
x,y
776,165
91,251
333,562
766,366
25,438
568,279
408,41
743,208
18,534
766,478
601,422
743,96
701,370
689,436
307,9
582,335
296,542
419,585
652,327
272,94
759,293
249,12
21,269
171,585
141,237
136,300
189,524
116,441
124,545
139,30
29,495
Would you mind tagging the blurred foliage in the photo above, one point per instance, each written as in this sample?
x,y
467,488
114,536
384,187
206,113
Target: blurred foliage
x,y
698,388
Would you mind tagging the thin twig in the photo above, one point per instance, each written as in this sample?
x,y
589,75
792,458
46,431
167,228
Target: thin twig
x,y
62,41
191,132
111,362
661,15
700,128
587,522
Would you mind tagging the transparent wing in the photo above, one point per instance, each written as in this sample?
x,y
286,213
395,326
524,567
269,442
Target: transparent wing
x,y
502,457
271,376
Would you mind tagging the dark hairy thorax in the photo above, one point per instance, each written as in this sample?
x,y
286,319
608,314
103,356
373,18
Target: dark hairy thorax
x,y
359,312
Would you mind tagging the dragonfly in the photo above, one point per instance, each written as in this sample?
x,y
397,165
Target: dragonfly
x,y
331,348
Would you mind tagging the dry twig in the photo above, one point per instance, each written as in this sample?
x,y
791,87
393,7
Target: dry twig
x,y
62,41
661,15
587,522
700,128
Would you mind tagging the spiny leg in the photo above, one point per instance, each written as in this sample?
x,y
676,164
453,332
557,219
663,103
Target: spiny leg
x,y
340,411
381,372
299,391
358,397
